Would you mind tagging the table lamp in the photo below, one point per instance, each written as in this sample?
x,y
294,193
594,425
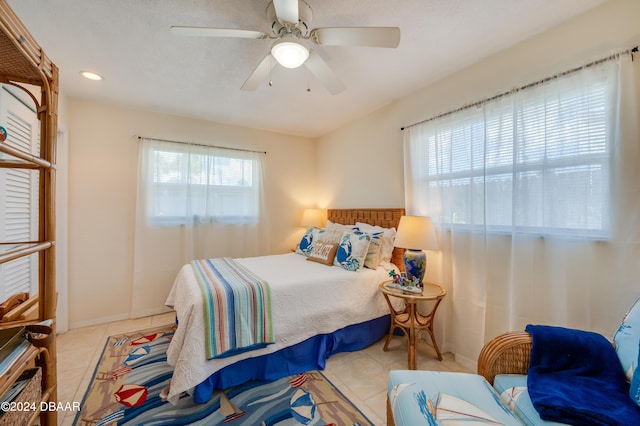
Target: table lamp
x,y
415,233
312,217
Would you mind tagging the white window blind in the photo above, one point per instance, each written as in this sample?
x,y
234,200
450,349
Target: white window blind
x,y
535,161
198,184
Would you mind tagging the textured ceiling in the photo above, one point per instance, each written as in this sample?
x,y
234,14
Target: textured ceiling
x,y
145,66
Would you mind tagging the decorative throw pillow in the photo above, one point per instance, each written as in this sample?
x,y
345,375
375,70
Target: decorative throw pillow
x,y
332,226
352,250
323,252
330,236
627,338
372,260
634,389
389,237
306,243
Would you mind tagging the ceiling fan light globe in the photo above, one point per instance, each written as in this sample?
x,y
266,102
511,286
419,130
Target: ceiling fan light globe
x,y
290,54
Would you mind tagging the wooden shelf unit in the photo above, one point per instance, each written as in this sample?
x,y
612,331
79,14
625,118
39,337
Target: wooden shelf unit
x,y
23,62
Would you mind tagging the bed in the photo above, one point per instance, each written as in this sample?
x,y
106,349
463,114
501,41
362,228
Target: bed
x,y
317,311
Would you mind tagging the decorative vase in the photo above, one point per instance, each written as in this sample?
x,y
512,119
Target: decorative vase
x,y
415,264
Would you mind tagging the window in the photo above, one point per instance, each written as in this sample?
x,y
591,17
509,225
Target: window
x,y
534,161
189,184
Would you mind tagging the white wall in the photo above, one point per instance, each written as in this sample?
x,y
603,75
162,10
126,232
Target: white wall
x,y
362,163
103,160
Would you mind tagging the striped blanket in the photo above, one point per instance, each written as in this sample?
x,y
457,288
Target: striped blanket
x,y
237,306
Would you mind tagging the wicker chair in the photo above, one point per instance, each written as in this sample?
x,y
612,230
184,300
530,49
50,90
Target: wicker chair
x,y
507,353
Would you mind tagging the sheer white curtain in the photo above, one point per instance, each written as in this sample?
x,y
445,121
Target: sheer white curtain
x,y
193,202
536,196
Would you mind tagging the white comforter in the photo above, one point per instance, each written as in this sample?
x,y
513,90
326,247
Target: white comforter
x,y
308,298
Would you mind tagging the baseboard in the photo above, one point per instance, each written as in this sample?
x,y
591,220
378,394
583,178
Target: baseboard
x,y
469,363
149,312
98,321
120,317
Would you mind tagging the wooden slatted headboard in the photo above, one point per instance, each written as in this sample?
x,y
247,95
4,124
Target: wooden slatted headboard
x,y
387,218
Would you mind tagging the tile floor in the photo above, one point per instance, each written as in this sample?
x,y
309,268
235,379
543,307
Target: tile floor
x,y
361,376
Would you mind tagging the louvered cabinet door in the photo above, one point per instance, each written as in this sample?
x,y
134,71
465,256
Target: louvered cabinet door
x,y
19,196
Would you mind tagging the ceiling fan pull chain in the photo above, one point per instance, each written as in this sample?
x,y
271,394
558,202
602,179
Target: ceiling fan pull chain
x,y
270,70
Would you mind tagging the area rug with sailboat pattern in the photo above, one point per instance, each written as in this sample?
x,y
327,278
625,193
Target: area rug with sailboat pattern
x,y
132,373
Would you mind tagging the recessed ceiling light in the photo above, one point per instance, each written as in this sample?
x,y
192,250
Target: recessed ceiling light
x,y
91,75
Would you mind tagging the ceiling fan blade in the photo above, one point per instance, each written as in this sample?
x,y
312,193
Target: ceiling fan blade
x,y
287,10
357,36
260,74
321,70
217,32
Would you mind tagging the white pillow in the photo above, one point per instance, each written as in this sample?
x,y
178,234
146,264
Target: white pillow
x,y
389,237
372,260
332,226
352,250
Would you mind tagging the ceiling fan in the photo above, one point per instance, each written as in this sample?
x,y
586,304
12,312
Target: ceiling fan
x,y
290,22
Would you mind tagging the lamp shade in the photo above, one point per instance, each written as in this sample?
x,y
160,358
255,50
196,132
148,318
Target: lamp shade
x,y
312,217
290,54
416,233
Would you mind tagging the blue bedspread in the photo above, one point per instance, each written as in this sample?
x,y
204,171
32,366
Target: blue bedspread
x,y
575,377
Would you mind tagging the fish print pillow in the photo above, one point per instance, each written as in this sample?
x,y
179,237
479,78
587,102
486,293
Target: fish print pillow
x,y
352,250
306,243
634,389
627,338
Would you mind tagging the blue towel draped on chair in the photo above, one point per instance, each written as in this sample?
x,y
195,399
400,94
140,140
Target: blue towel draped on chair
x,y
575,377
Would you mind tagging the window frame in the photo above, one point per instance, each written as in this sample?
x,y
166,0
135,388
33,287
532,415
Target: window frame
x,y
155,185
466,123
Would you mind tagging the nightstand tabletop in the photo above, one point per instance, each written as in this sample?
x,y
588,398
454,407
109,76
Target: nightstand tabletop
x,y
430,291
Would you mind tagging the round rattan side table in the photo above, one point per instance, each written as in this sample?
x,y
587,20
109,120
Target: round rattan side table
x,y
410,320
